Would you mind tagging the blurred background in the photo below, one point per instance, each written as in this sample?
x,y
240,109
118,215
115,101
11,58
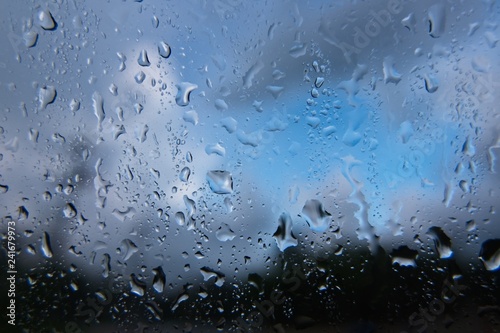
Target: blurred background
x,y
232,166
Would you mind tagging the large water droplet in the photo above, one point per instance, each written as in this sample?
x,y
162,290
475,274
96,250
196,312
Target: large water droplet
x,y
404,256
431,83
191,116
209,273
220,182
184,90
180,218
216,149
224,233
437,20
316,216
164,50
46,96
283,235
159,279
230,124
128,248
390,72
136,286
69,211
46,247
441,241
490,254
30,38
251,73
185,174
128,213
98,105
46,20
182,297
143,59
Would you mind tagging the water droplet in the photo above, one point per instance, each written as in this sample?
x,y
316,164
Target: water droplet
x,y
69,211
216,149
127,248
159,279
209,273
220,182
298,49
316,216
106,265
22,213
184,90
30,38
468,147
190,206
182,297
113,89
442,242
189,157
46,247
164,50
155,21
143,59
4,188
405,131
185,174
283,235
191,116
390,72
136,286
404,256
224,233
74,105
221,105
230,124
229,205
139,77
128,213
46,20
431,83
180,218
490,254
437,20
275,91
46,96
251,73
329,130
98,105
319,82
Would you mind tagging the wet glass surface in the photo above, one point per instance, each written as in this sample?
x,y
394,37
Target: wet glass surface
x,y
250,166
